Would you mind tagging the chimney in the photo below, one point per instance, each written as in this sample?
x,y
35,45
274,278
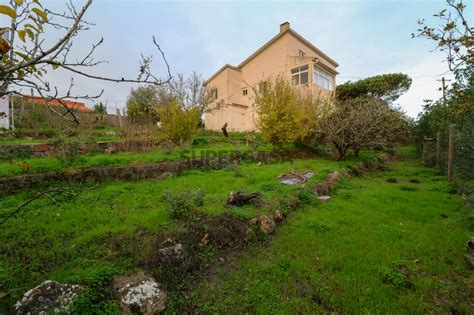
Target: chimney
x,y
284,26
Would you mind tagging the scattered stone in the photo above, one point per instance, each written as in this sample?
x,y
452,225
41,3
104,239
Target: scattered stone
x,y
140,292
470,245
267,225
253,221
205,239
278,216
324,188
49,296
172,255
469,258
111,134
249,234
110,150
167,242
324,198
294,179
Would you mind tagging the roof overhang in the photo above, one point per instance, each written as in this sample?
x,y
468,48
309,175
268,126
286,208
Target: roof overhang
x,y
219,72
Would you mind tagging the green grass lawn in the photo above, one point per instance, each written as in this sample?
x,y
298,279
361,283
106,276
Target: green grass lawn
x,y
50,163
345,255
339,256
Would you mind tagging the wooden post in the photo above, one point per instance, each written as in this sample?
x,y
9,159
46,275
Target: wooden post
x,y
423,149
119,117
450,156
438,149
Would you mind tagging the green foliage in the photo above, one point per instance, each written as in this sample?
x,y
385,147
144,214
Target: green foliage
x,y
305,196
181,203
67,153
388,87
396,275
9,153
200,142
100,108
408,188
143,104
99,296
392,180
179,124
287,114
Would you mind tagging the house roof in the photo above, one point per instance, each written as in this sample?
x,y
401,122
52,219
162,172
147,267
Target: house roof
x,y
220,70
268,44
54,102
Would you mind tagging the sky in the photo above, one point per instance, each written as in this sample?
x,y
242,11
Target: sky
x,y
365,37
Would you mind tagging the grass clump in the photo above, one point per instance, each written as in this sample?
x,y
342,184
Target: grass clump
x,y
392,180
414,181
397,275
180,203
99,295
408,188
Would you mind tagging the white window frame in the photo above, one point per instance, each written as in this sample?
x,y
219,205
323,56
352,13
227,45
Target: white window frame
x,y
323,78
296,74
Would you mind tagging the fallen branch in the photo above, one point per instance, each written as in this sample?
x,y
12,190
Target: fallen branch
x,y
239,199
50,194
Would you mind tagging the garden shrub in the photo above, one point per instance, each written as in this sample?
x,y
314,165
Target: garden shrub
x,y
179,124
66,153
181,203
99,295
8,152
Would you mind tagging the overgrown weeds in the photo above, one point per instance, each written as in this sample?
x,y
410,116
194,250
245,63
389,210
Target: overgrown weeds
x,y
181,202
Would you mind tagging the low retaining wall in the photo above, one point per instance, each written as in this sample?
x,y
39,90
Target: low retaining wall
x,y
14,184
12,151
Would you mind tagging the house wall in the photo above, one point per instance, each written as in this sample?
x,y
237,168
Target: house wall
x,y
277,59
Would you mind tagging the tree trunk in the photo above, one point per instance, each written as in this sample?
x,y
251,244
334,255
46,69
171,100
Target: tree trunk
x,y
342,150
356,151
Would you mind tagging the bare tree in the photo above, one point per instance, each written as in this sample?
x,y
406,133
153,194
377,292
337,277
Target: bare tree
x,y
189,91
360,122
454,36
28,53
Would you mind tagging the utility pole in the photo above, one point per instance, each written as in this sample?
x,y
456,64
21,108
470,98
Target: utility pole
x,y
443,88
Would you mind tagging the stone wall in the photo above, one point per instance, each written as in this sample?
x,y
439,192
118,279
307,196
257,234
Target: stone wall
x,y
9,152
14,184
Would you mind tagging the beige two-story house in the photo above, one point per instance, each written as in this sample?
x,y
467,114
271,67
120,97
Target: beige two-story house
x,y
287,54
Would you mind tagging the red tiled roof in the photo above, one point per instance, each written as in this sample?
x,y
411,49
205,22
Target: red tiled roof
x,y
54,102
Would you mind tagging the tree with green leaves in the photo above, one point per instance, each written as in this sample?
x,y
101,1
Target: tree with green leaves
x,y
388,87
287,114
455,112
143,104
29,50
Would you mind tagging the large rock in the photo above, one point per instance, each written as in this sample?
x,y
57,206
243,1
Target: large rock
x,y
48,297
267,225
278,216
172,255
140,292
